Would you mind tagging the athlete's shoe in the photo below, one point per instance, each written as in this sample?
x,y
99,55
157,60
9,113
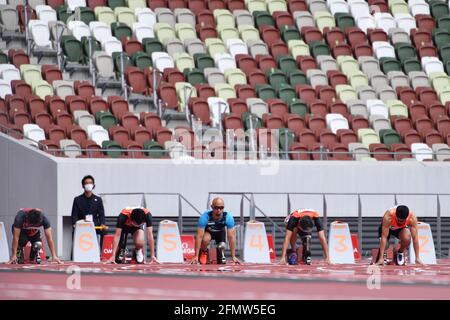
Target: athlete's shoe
x,y
292,259
308,260
35,251
139,256
122,256
221,256
400,258
203,259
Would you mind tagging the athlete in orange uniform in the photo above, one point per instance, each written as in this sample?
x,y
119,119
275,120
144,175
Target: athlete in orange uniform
x,y
301,222
132,221
402,224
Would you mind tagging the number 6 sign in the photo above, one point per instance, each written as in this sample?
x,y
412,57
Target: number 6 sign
x,y
340,243
85,244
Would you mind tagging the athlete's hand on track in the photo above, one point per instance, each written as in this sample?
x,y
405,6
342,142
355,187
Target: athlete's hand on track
x,y
419,262
13,260
153,259
380,262
236,261
282,261
194,260
111,260
56,260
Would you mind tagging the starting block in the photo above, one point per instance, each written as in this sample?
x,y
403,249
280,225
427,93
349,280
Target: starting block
x,y
107,247
4,249
340,244
169,248
85,243
272,253
389,255
355,244
188,245
256,246
426,245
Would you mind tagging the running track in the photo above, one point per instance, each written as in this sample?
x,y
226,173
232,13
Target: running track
x,y
224,282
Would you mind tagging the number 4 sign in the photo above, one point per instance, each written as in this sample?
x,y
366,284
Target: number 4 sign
x,y
256,247
426,245
340,243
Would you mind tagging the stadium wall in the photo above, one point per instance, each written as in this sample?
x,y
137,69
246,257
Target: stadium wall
x,y
32,178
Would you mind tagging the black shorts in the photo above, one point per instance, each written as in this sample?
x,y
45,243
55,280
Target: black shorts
x,y
301,234
125,231
24,237
218,236
395,233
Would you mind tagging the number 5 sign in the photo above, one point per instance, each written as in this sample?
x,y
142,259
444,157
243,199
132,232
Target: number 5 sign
x,y
169,247
340,243
426,245
256,247
85,244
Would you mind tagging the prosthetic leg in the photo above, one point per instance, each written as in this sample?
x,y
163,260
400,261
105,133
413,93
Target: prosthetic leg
x,y
35,252
121,255
220,249
306,249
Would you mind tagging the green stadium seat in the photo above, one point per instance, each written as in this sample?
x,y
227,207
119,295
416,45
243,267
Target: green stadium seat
x,y
113,149
203,60
194,76
121,30
263,18
265,91
141,60
248,117
297,106
344,20
286,92
72,49
390,64
389,136
155,150
319,48
151,45
405,51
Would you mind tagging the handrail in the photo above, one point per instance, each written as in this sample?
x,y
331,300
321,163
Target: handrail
x,y
7,129
265,215
323,151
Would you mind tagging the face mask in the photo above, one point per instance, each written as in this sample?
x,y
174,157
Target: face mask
x,y
88,187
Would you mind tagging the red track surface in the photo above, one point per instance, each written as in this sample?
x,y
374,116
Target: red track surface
x,y
249,281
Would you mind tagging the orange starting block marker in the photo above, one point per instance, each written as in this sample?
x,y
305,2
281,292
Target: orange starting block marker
x,y
107,247
273,255
355,244
188,245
